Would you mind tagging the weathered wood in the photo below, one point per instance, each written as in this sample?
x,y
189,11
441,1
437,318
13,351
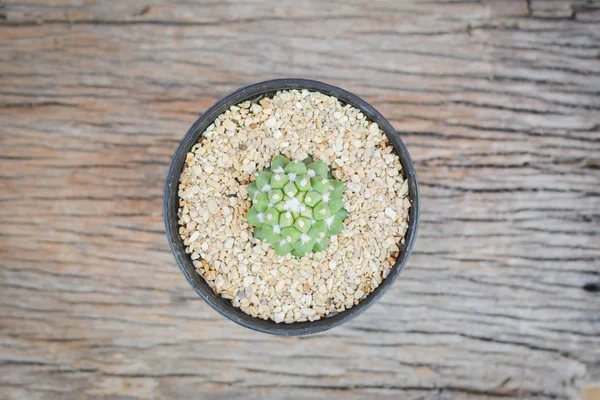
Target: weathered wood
x,y
498,105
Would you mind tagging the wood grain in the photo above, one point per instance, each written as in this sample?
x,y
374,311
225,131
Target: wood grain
x,y
497,102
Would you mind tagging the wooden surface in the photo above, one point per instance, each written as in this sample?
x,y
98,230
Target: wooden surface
x,y
497,103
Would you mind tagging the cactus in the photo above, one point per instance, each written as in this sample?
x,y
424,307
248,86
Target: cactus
x,y
296,206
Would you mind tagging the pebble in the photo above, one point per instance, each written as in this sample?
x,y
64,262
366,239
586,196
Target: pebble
x,y
278,317
295,294
308,311
279,286
242,268
212,205
208,168
390,213
229,125
389,158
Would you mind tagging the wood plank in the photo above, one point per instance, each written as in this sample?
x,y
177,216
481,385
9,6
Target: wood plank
x,y
498,105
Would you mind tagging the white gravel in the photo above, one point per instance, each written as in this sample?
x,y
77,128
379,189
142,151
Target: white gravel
x,y
214,201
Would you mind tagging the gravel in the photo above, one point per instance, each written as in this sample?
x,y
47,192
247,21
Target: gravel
x,y
213,203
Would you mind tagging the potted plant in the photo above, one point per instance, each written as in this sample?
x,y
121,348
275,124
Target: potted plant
x,y
291,206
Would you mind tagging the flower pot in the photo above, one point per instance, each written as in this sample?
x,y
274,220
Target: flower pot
x,y
171,204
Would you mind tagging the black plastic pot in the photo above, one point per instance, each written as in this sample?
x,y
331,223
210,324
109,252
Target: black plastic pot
x,y
171,202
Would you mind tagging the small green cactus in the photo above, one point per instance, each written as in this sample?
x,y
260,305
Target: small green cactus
x,y
296,206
